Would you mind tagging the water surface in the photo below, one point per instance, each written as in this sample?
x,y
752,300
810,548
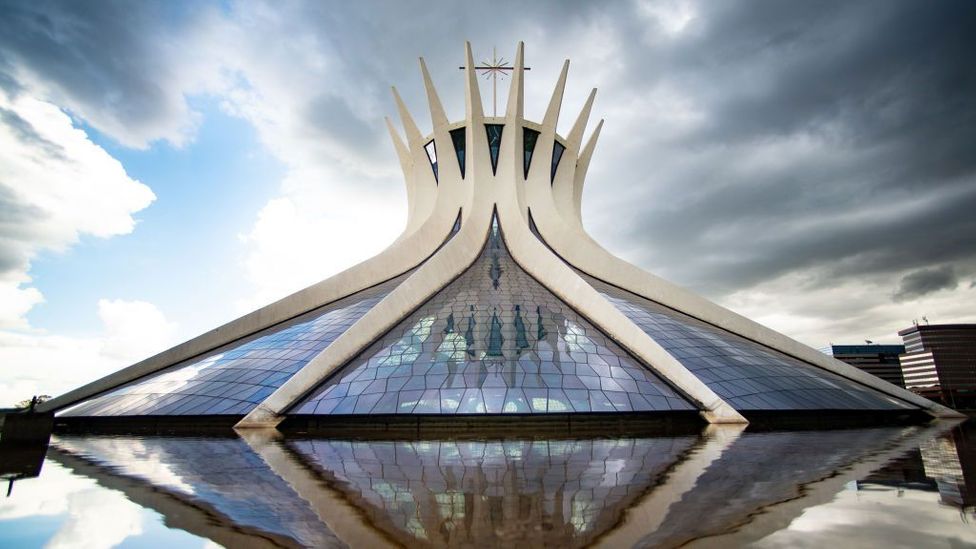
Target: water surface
x,y
893,486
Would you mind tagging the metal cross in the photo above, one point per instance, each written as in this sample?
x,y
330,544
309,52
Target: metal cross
x,y
492,70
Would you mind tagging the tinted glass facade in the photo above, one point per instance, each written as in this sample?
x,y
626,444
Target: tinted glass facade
x,y
494,341
940,362
233,380
877,360
749,376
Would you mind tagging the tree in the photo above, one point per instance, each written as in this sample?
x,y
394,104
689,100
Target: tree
x,y
25,404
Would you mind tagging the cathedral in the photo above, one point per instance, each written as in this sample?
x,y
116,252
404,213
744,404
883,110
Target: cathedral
x,y
493,306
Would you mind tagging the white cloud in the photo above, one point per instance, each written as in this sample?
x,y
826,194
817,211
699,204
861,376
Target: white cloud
x,y
32,363
133,328
43,495
98,518
305,235
55,187
879,516
846,312
95,516
341,200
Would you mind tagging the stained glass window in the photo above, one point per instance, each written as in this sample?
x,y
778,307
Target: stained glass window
x,y
431,149
529,138
557,154
494,143
493,341
457,137
234,379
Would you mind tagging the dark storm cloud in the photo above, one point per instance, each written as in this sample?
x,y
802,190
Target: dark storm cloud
x,y
856,111
105,59
926,281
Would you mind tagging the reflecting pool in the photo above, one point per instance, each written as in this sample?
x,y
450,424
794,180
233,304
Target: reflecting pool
x,y
893,486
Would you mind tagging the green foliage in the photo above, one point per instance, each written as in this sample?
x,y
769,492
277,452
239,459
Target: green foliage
x,y
25,404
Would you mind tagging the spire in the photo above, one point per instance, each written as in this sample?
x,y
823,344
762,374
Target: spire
x,y
582,165
472,93
403,153
409,126
437,115
552,113
576,134
516,92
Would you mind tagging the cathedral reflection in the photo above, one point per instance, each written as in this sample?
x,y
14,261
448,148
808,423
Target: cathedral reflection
x,y
466,493
725,486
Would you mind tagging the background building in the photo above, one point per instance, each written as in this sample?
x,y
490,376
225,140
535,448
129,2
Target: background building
x,y
940,363
878,360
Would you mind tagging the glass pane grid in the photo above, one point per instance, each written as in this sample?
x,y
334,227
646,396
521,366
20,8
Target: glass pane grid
x,y
235,380
746,374
494,341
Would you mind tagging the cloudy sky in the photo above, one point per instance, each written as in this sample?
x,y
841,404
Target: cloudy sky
x,y
167,166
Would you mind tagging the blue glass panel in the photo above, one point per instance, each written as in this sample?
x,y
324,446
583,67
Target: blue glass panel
x,y
748,375
234,379
529,138
457,137
494,143
496,341
557,154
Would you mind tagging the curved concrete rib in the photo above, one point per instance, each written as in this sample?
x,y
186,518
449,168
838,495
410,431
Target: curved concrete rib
x,y
563,231
450,261
408,251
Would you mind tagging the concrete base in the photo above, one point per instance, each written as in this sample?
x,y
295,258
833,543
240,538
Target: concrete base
x,y
148,425
26,428
776,420
481,426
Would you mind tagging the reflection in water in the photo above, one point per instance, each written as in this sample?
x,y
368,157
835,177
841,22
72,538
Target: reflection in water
x,y
460,493
951,462
213,481
725,487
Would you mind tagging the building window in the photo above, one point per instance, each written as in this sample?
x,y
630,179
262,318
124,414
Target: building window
x,y
494,143
557,154
529,138
432,156
457,137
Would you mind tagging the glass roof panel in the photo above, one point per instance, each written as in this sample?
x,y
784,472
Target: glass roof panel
x,y
234,379
748,375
